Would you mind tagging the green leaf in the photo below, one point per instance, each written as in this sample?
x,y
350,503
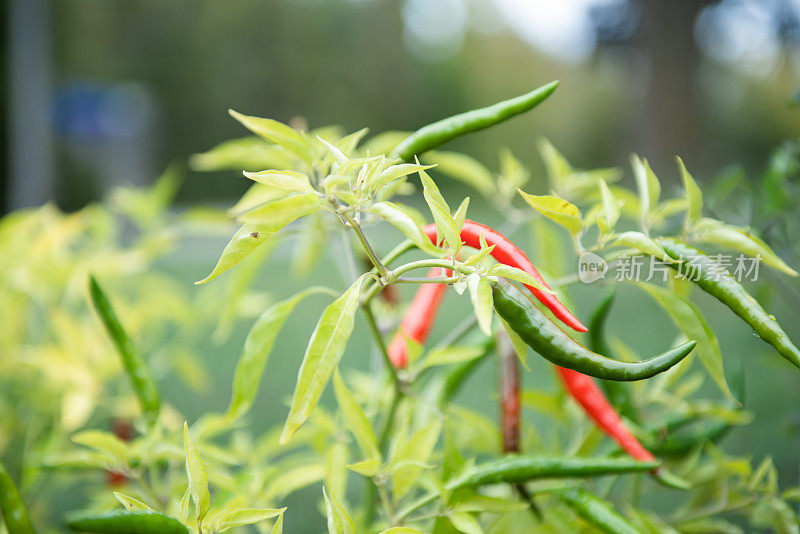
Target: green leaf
x,y
274,215
355,419
247,516
277,528
410,456
484,503
367,468
480,293
251,153
451,354
198,477
463,168
287,181
277,132
461,214
104,442
261,223
746,243
464,522
692,323
324,351
556,209
610,205
643,244
647,184
339,521
257,348
130,503
394,172
401,530
558,168
482,253
513,273
520,347
398,216
445,223
337,153
694,196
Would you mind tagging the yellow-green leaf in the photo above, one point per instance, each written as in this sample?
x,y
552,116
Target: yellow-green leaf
x,y
324,351
277,132
445,223
288,181
104,442
557,209
513,273
746,243
410,456
463,168
480,293
247,516
355,419
398,216
257,348
198,477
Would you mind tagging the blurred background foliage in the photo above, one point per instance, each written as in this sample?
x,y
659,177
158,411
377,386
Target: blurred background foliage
x,y
127,87
116,91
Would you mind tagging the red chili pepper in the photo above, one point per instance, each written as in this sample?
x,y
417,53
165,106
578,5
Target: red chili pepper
x,y
506,252
582,388
594,402
418,319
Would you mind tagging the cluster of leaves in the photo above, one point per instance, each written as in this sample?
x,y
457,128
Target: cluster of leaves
x,y
401,433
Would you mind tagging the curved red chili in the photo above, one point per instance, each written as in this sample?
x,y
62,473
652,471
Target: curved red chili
x,y
418,319
588,394
506,252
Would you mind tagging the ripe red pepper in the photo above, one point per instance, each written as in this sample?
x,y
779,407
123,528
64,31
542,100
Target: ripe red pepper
x,y
582,388
588,394
507,252
418,319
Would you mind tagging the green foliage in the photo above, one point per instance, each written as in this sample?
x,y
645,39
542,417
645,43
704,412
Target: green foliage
x,y
427,463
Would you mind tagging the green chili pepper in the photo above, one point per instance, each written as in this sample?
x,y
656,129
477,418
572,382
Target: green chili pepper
x,y
139,374
596,512
685,440
519,468
552,343
126,522
618,393
13,509
716,281
438,133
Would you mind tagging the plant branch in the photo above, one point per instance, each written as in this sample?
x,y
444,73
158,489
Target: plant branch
x,y
382,271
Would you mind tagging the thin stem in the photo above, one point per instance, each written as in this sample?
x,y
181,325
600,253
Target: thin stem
x,y
364,243
416,505
426,280
376,333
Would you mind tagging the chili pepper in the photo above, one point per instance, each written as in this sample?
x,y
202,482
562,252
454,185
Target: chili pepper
x,y
518,468
618,392
418,320
435,134
139,374
126,522
506,252
717,282
587,393
552,343
15,515
123,429
596,512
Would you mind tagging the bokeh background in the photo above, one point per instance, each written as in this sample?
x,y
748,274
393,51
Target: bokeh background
x,y
99,93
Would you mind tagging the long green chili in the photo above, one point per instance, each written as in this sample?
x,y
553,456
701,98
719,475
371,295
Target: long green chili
x,y
15,515
126,522
596,512
435,134
552,343
136,368
716,281
521,468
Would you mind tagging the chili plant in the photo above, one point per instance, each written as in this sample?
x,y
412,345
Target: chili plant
x,y
401,454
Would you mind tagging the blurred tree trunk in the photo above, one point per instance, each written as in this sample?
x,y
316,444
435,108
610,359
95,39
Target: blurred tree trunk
x,y
670,114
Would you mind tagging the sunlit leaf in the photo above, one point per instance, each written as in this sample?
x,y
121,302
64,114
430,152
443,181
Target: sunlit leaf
x,y
247,516
465,523
355,419
257,348
480,293
130,503
104,442
277,132
451,354
198,477
288,181
556,209
411,455
744,242
398,216
325,349
513,273
463,168
445,223
693,195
